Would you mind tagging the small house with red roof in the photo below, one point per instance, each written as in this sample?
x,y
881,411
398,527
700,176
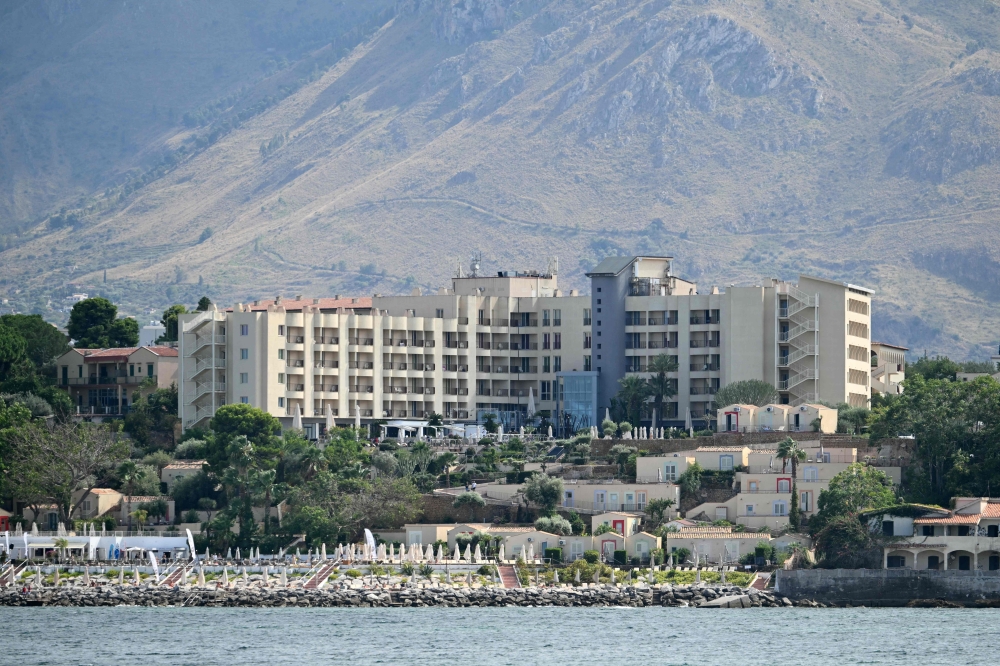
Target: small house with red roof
x,y
102,381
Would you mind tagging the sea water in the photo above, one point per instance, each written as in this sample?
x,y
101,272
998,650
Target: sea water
x,y
516,636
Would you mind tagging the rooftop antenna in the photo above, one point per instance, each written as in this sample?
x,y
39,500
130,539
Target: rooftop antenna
x,y
460,270
476,265
553,268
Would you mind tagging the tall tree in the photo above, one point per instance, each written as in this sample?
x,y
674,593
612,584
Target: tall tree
x,y
13,350
746,392
661,386
65,459
204,303
788,449
632,396
858,488
43,341
169,321
93,324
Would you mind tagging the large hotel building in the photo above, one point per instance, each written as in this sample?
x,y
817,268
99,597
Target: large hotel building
x,y
501,343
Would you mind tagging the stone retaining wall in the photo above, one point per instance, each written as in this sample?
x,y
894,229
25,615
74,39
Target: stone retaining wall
x,y
888,587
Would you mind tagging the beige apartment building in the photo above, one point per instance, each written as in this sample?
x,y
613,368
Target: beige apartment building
x,y
488,344
514,343
102,381
811,340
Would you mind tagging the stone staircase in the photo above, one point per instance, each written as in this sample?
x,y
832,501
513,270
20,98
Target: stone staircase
x,y
175,576
320,576
508,576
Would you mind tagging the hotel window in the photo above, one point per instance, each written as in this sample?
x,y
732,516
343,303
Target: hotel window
x,y
546,390
557,341
439,313
784,486
805,501
927,530
131,370
753,486
149,369
810,474
586,363
895,562
993,531
546,341
244,329
750,509
244,354
779,508
281,378
726,463
587,341
244,378
281,354
281,402
545,318
670,472
557,317
281,330
245,400
586,316
546,364
86,505
557,363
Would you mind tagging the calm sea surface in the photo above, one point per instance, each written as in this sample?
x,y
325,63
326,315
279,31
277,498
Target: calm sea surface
x,y
517,636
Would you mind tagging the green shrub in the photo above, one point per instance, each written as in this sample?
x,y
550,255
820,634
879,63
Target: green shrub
x,y
591,556
190,516
621,557
426,570
553,554
353,573
406,569
485,570
680,555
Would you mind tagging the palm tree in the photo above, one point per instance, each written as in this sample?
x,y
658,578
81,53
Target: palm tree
x,y
789,449
130,474
631,396
446,460
263,483
61,546
661,386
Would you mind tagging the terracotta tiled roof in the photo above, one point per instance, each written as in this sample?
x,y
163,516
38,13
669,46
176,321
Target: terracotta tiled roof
x,y
103,491
132,499
124,352
972,519
723,449
992,510
714,533
186,464
361,302
512,529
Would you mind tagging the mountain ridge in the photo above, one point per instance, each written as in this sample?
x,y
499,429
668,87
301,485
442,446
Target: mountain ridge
x,y
748,140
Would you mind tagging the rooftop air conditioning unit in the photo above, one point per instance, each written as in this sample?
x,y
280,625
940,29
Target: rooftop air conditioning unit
x,y
562,542
530,539
737,409
802,408
770,409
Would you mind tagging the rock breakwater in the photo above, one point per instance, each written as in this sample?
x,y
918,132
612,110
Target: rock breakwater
x,y
717,596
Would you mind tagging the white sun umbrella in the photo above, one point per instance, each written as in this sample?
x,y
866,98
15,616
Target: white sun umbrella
x,y
613,581
225,577
597,575
500,554
420,434
322,554
229,553
284,577
659,475
297,418
438,556
357,417
550,432
467,556
531,401
520,431
429,553
531,551
478,555
555,577
688,424
500,432
468,578
329,417
201,576
34,529
246,579
576,578
38,576
238,553
86,576
135,574
264,576
121,576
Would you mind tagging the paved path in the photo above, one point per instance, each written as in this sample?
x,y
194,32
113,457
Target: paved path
x,y
320,576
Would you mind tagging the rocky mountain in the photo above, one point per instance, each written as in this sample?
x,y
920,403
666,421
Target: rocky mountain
x,y
324,148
